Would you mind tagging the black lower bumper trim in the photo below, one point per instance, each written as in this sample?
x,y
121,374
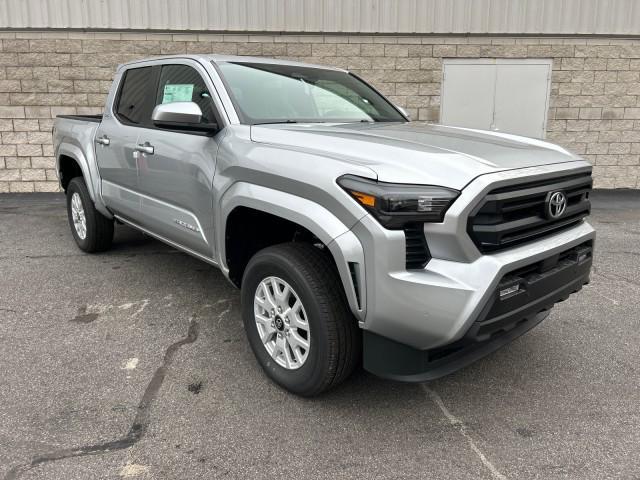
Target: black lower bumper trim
x,y
396,361
503,320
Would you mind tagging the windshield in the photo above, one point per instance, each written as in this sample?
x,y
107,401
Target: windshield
x,y
272,93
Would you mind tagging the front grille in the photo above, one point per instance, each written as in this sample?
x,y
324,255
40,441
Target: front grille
x,y
513,215
417,251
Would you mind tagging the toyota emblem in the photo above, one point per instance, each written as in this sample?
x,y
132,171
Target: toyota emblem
x,y
556,204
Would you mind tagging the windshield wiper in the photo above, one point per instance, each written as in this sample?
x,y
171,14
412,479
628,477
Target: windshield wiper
x,y
276,122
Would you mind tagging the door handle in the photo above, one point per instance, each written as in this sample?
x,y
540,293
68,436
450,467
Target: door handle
x,y
144,148
103,140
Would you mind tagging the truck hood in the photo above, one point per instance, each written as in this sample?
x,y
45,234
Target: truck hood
x,y
415,153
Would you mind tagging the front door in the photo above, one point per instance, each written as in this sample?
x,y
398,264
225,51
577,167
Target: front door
x,y
176,179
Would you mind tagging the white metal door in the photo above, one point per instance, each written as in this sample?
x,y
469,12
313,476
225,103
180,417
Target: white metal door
x,y
467,95
522,98
508,95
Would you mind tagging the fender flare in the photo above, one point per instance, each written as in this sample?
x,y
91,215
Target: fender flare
x,y
89,170
342,243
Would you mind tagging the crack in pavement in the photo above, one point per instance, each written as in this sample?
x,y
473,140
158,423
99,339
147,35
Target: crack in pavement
x,y
620,252
614,277
138,427
463,430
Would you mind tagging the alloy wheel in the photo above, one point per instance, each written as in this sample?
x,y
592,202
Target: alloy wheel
x,y
282,323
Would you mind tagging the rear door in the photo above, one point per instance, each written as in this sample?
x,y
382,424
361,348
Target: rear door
x,y
176,180
116,139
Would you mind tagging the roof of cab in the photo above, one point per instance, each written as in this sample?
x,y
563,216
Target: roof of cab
x,y
232,58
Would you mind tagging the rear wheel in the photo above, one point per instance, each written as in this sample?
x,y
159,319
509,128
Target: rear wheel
x,y
92,231
297,319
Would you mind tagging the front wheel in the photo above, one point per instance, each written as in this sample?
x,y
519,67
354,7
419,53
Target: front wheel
x,y
92,231
297,319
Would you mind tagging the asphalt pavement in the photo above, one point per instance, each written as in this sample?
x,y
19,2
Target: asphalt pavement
x,y
134,364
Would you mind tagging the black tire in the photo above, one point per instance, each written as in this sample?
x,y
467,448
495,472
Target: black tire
x,y
335,347
99,234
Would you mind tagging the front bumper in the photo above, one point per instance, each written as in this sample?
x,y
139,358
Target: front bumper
x,y
537,287
436,306
436,309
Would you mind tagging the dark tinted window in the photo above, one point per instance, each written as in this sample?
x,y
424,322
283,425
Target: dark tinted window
x,y
181,83
135,101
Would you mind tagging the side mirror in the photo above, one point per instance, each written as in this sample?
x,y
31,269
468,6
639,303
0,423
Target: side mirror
x,y
181,116
177,112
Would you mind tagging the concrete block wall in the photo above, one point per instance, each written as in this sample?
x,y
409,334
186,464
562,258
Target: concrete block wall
x,y
594,108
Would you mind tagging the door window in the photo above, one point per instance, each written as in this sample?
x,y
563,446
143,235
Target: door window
x,y
181,83
135,100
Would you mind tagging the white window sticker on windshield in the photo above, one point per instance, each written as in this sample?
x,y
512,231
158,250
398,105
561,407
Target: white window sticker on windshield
x,y
177,92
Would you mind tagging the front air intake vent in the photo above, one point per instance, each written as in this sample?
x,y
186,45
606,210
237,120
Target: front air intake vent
x,y
417,251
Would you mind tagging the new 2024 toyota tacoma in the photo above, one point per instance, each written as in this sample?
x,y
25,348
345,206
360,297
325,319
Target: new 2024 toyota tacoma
x,y
353,234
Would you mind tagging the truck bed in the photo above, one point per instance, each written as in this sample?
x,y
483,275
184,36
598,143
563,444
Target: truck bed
x,y
86,118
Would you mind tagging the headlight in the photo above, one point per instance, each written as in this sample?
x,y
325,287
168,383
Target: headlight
x,y
394,204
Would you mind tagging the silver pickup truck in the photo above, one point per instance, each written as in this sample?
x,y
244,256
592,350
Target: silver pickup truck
x,y
354,234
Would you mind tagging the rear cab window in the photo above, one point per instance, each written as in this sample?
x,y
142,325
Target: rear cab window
x,y
135,99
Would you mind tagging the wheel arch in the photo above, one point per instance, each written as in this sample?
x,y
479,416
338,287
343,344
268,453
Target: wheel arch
x,y
72,157
342,244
